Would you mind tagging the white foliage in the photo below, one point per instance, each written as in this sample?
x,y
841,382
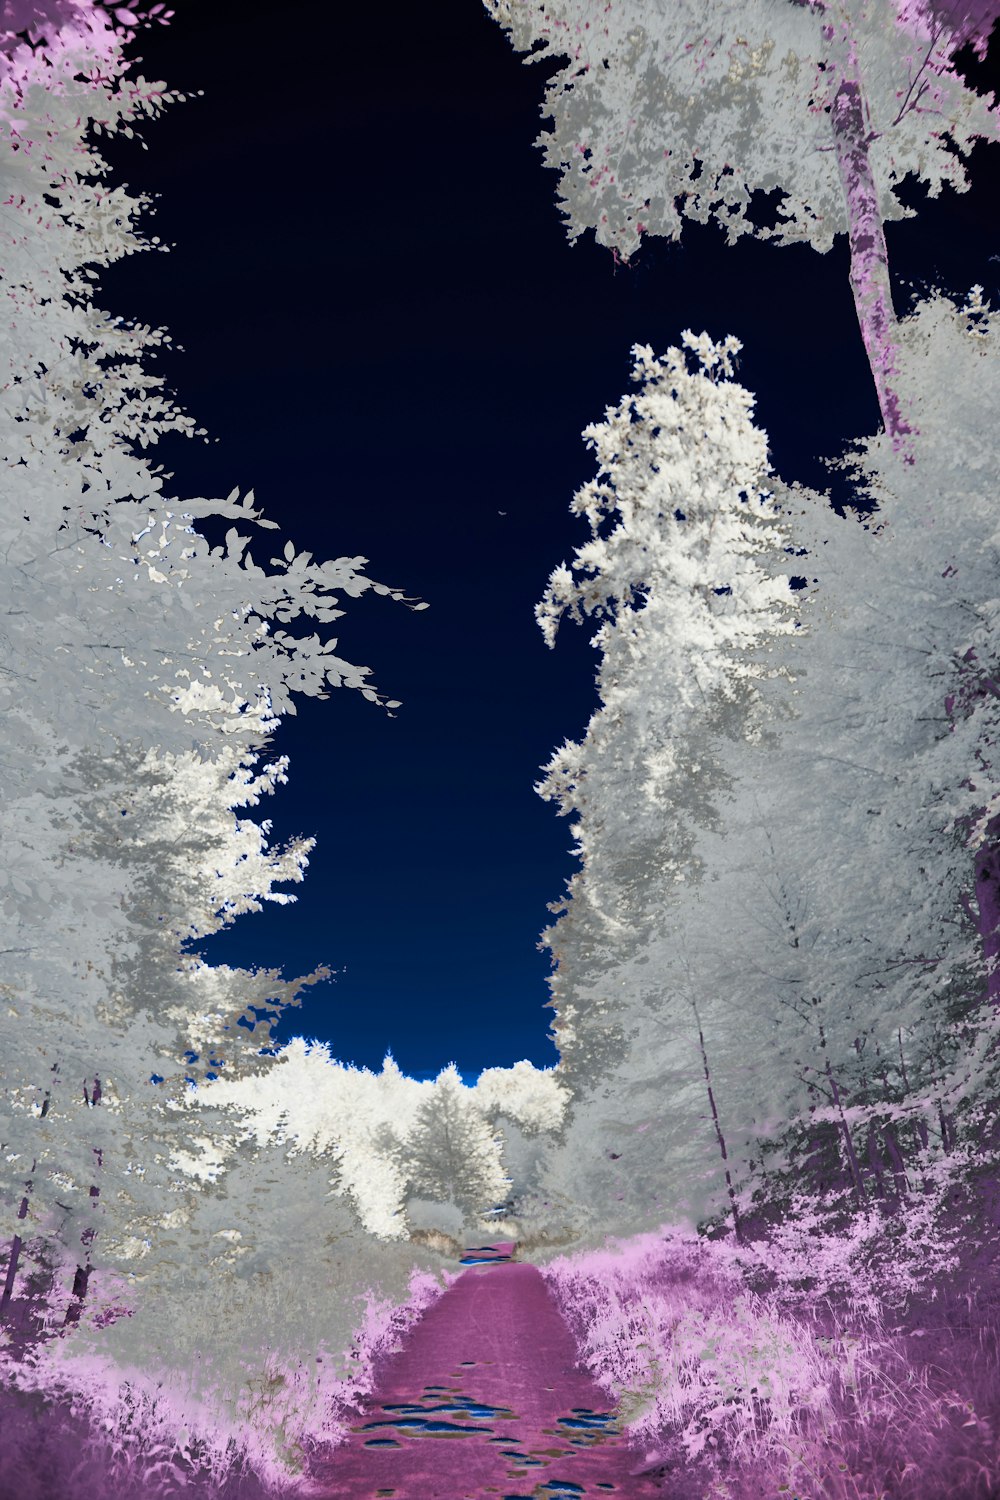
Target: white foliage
x,y
666,111
788,904
680,570
141,673
533,1097
390,1138
314,1105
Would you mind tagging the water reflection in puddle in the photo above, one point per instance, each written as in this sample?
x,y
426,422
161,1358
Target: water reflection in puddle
x,y
551,1489
440,1413
456,1416
582,1417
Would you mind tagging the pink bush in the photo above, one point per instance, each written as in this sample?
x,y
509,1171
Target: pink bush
x,y
745,1393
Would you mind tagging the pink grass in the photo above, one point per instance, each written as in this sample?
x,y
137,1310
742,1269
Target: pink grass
x,y
736,1394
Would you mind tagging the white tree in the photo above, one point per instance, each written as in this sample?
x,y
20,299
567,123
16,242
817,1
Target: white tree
x,y
142,673
666,112
683,595
687,570
450,1155
309,1103
364,1121
811,965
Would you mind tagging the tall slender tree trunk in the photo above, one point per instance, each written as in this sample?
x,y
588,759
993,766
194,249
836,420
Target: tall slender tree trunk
x,y
720,1138
923,1135
869,260
987,870
897,1162
888,1132
81,1280
854,1166
17,1243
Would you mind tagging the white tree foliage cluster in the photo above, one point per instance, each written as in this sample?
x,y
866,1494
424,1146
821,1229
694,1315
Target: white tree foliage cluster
x,y
391,1139
681,531
142,672
663,112
785,805
789,120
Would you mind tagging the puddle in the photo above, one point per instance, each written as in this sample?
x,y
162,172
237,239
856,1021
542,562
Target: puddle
x,y
464,1405
582,1416
583,1427
457,1416
521,1458
551,1489
420,1425
442,1414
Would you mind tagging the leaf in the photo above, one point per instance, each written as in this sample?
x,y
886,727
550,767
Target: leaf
x,y
236,543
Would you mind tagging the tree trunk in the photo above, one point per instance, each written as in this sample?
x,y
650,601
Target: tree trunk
x,y
869,260
895,1155
854,1166
987,867
81,1279
875,1160
730,1189
17,1243
12,1264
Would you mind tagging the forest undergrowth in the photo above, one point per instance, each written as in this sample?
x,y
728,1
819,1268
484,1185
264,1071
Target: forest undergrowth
x,y
742,1370
92,1433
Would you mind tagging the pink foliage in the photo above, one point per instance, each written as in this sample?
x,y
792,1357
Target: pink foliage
x,y
787,1365
36,31
142,1435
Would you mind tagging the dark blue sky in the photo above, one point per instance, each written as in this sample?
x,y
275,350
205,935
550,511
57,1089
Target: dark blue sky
x,y
388,337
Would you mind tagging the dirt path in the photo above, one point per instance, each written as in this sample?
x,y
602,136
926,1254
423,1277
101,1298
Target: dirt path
x,y
486,1399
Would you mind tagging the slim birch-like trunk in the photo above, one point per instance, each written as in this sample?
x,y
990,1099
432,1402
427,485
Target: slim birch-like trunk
x,y
720,1138
869,259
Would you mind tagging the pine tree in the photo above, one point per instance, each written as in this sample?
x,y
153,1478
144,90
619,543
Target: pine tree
x,y
686,570
450,1154
683,598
